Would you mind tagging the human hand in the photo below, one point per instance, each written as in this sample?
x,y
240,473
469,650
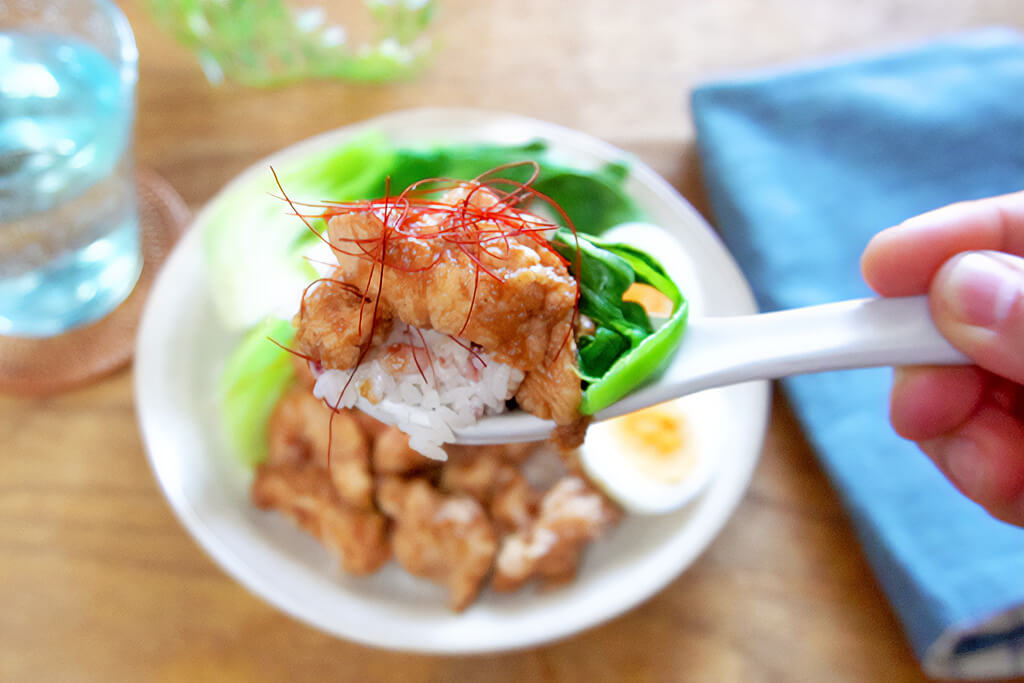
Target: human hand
x,y
969,259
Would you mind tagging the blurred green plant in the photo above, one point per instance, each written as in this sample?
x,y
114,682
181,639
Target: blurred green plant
x,y
272,42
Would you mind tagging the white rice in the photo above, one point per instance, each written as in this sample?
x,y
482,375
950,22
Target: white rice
x,y
452,387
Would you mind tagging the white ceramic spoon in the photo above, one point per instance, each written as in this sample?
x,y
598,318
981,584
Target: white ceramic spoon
x,y
728,350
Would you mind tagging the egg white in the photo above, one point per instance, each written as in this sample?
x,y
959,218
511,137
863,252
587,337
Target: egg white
x,y
605,457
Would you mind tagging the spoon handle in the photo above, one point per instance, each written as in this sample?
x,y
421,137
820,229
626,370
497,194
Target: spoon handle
x,y
720,351
849,334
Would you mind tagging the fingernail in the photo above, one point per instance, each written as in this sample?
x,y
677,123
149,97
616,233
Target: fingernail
x,y
965,466
983,289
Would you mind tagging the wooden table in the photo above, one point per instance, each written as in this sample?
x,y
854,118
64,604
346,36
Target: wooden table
x,y
98,582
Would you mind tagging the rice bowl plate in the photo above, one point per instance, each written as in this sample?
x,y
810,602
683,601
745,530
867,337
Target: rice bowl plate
x,y
182,347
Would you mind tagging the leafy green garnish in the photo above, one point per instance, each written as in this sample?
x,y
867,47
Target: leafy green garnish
x,y
594,201
625,350
254,378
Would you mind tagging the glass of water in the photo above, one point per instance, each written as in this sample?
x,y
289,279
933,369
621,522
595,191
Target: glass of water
x,y
69,227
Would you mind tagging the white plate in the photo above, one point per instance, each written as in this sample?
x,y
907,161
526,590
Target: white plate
x,y
182,346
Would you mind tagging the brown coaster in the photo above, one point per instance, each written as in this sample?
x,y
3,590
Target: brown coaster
x,y
36,366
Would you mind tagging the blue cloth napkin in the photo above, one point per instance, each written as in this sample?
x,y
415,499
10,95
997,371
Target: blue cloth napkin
x,y
802,167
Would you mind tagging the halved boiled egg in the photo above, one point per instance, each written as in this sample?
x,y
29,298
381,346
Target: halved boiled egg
x,y
657,459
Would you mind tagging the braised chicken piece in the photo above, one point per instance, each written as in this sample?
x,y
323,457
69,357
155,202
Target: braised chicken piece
x,y
515,453
329,327
372,427
303,375
512,453
392,454
494,481
552,391
474,472
513,504
306,495
572,514
286,430
447,539
302,429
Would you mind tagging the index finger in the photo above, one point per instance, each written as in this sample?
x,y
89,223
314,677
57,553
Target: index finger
x,y
901,261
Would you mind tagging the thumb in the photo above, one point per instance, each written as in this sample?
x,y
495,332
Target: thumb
x,y
977,301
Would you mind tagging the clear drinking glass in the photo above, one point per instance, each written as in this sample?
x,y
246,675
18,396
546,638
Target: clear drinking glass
x,y
69,227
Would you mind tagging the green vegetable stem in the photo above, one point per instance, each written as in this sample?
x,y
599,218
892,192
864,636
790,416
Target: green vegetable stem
x,y
255,377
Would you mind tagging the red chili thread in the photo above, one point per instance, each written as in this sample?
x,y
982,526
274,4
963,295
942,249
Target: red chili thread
x,y
426,350
297,354
412,351
476,356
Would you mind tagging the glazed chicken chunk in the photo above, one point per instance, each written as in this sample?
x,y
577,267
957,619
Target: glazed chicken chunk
x,y
494,481
572,513
330,326
306,494
302,429
445,538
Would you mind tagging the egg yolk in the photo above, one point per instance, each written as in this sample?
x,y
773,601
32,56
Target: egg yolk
x,y
653,301
656,440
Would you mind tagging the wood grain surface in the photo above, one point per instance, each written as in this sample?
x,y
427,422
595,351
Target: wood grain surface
x,y
98,582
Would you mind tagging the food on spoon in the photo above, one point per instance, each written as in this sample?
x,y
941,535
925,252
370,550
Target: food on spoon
x,y
451,299
440,310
